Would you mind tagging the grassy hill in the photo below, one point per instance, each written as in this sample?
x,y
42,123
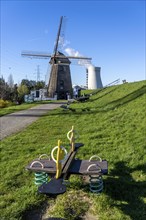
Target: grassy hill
x,y
111,124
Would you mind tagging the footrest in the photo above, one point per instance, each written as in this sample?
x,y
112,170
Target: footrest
x,y
54,187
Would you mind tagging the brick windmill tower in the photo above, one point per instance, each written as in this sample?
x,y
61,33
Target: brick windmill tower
x,y
60,82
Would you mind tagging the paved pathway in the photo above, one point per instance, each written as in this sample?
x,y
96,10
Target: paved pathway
x,y
12,123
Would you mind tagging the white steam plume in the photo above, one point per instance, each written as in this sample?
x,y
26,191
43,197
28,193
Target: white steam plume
x,y
63,45
75,53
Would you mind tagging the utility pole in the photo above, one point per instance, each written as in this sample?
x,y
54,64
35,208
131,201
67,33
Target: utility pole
x,y
38,73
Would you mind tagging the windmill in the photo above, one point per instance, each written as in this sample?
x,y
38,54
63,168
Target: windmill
x,y
60,82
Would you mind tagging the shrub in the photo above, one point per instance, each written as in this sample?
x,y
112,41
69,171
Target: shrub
x,y
4,103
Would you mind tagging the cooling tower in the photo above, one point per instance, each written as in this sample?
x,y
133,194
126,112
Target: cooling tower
x,y
94,79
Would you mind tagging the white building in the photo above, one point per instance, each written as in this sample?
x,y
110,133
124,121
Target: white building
x,y
39,94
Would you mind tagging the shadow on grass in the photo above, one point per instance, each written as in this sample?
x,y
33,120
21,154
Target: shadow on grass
x,y
111,91
105,108
128,98
35,213
108,106
126,191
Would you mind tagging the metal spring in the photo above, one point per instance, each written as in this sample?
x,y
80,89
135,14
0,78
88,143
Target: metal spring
x,y
95,180
40,178
96,183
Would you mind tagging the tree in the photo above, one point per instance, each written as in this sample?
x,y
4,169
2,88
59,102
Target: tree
x,y
15,93
40,85
32,84
4,90
25,82
22,91
10,81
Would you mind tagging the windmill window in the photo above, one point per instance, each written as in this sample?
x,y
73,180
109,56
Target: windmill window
x,y
64,68
61,84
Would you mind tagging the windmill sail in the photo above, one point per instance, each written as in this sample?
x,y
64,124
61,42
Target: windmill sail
x,y
44,55
58,35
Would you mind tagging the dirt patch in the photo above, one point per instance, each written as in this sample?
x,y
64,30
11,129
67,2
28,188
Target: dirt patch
x,y
41,213
89,216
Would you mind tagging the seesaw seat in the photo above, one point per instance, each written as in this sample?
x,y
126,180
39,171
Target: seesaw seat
x,y
77,167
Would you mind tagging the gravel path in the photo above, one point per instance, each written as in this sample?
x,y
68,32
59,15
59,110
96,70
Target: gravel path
x,y
12,123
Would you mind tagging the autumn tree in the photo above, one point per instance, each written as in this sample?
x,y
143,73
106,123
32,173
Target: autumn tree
x,y
22,91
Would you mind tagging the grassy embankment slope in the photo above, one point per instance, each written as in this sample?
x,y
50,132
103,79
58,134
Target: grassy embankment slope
x,y
112,124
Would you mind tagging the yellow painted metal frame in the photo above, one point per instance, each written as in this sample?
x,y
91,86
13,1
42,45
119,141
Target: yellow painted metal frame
x,y
72,140
60,153
60,156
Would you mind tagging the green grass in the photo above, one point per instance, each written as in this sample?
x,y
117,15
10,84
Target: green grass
x,y
112,124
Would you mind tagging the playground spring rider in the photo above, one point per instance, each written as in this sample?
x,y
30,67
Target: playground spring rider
x,y
60,168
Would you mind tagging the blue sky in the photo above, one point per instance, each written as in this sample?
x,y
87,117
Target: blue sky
x,y
111,32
